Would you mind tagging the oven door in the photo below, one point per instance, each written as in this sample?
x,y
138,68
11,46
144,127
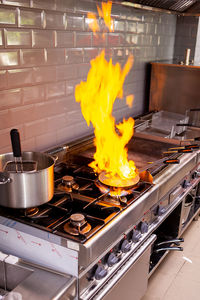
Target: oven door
x,y
130,282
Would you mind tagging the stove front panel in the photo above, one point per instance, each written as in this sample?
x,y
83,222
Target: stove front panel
x,y
36,250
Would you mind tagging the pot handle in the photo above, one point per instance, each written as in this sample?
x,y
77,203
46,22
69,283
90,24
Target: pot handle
x,y
4,178
16,145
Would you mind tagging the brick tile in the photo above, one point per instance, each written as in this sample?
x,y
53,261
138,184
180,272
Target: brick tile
x,y
43,38
44,109
56,89
50,4
65,39
72,132
61,104
113,39
136,16
150,28
119,25
56,122
33,94
131,26
141,28
83,70
32,57
108,53
32,129
20,77
132,39
64,5
75,22
1,38
74,56
71,104
25,3
99,40
44,74
70,86
56,56
10,98
18,38
8,58
74,117
118,53
7,16
29,144
5,138
55,20
45,141
66,72
90,53
4,117
88,22
3,79
83,39
85,6
30,18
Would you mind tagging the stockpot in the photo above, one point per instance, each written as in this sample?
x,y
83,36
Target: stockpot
x,y
27,189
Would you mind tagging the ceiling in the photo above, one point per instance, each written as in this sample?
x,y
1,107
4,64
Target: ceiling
x,y
178,6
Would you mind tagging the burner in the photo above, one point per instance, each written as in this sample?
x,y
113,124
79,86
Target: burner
x,y
30,212
68,184
116,200
77,225
114,191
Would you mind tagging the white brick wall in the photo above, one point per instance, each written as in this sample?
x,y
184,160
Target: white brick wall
x,y
45,49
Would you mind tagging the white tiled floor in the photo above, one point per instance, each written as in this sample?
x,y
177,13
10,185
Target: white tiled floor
x,y
178,276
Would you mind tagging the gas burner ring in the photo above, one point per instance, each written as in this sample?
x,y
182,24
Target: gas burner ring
x,y
68,180
77,225
77,219
69,183
30,212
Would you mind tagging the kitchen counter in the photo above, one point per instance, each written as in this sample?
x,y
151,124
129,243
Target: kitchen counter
x,y
33,282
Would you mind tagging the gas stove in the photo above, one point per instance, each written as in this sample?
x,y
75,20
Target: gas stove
x,y
88,232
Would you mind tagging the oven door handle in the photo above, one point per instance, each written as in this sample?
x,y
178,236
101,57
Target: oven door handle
x,y
128,264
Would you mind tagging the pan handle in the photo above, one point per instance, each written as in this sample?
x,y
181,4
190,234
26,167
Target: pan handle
x,y
16,145
195,109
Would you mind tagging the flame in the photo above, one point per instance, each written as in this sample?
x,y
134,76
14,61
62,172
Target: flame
x,y
93,24
105,13
97,96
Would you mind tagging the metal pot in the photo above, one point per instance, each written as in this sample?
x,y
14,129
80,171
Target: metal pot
x,y
27,189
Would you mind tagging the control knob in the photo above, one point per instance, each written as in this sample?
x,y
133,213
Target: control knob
x,y
196,174
160,210
100,272
136,236
112,259
126,246
185,184
144,227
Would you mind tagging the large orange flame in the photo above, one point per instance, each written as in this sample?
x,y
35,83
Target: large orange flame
x,y
97,95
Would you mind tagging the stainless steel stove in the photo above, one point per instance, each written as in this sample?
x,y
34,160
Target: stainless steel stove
x,y
103,240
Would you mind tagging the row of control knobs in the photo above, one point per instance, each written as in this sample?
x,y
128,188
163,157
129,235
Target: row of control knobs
x,y
125,247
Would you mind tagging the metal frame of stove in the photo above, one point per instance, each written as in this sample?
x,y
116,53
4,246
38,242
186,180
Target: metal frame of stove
x,y
93,250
